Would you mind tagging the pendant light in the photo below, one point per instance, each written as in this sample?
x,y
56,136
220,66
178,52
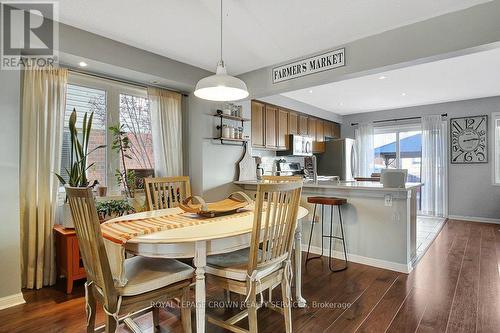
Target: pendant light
x,y
221,86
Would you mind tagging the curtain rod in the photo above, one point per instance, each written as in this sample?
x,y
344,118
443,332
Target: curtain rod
x,y
134,83
444,115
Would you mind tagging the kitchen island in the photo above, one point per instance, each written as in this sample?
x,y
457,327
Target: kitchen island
x,y
380,223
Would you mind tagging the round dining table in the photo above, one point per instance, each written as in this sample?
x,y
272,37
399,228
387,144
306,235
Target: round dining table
x,y
199,241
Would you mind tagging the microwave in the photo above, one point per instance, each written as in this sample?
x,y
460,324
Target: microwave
x,y
297,145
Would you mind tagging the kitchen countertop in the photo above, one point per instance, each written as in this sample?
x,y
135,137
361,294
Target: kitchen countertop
x,y
351,185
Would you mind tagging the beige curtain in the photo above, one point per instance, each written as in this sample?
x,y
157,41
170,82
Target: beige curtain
x,y
43,98
166,123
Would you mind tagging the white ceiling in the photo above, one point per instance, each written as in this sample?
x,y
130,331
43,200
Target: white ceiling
x,y
465,77
257,33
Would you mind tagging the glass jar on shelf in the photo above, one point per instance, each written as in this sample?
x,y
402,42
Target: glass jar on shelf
x,y
226,132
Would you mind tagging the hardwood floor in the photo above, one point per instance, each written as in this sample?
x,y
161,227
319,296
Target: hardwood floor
x,y
454,288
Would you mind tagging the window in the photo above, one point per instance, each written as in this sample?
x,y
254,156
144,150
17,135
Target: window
x,y
495,119
112,103
86,100
136,119
399,148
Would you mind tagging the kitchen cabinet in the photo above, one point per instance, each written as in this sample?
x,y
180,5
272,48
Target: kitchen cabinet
x,y
270,126
336,130
303,129
328,129
311,127
258,114
281,128
318,137
320,130
293,123
331,130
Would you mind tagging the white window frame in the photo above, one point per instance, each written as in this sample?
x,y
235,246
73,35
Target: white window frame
x,y
495,137
113,90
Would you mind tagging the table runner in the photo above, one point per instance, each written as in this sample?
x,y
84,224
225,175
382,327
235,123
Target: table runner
x,y
120,232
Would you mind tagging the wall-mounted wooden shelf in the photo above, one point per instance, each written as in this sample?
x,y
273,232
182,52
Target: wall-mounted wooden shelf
x,y
226,116
225,141
229,141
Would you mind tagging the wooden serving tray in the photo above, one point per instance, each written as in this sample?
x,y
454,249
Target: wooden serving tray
x,y
227,206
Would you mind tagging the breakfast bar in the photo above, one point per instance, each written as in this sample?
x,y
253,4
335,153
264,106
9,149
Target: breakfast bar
x,y
379,222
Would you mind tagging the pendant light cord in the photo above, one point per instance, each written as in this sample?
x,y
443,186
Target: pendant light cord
x,y
221,31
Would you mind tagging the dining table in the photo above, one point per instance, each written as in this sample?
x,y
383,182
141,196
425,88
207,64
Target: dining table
x,y
222,235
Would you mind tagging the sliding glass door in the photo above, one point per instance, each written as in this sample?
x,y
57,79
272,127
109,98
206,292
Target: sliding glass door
x,y
399,148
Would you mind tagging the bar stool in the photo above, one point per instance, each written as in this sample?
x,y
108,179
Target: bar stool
x,y
327,201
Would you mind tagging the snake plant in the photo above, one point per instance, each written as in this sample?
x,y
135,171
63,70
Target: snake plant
x,y
77,173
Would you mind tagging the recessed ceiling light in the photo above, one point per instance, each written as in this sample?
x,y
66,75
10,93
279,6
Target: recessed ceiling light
x,y
341,103
82,64
383,77
310,91
403,94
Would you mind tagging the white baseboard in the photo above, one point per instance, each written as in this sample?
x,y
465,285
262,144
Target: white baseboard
x,y
393,266
12,300
474,219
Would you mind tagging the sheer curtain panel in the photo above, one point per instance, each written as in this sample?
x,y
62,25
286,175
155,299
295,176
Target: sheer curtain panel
x,y
364,149
166,126
434,166
43,98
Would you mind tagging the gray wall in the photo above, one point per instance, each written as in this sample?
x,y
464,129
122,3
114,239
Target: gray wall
x,y
10,279
212,166
470,189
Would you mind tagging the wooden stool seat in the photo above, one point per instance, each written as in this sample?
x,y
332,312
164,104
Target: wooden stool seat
x,y
330,201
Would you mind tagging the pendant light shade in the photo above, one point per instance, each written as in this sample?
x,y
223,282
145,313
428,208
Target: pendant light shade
x,y
221,87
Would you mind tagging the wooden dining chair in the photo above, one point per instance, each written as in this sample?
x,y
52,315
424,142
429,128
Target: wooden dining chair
x,y
267,262
166,192
149,280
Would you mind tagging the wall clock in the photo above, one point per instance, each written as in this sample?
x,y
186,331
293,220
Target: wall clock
x,y
469,140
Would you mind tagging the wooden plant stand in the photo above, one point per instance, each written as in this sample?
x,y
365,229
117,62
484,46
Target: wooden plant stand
x,y
68,258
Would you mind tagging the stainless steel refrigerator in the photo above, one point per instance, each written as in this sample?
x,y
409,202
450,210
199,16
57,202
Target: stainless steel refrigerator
x,y
339,159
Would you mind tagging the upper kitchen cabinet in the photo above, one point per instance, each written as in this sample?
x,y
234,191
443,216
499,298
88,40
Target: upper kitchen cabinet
x,y
328,129
303,125
258,114
320,130
293,123
336,130
282,128
331,130
270,126
311,127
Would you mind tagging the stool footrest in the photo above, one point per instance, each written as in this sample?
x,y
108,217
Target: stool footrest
x,y
336,237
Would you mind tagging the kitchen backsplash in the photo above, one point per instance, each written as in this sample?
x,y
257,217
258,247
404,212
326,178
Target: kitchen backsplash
x,y
269,157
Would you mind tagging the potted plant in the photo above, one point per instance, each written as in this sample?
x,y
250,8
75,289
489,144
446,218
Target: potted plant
x,y
113,208
121,144
77,172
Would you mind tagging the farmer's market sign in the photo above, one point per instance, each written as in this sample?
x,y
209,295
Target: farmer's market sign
x,y
316,64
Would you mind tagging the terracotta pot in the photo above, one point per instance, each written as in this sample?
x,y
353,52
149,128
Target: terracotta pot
x,y
102,190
